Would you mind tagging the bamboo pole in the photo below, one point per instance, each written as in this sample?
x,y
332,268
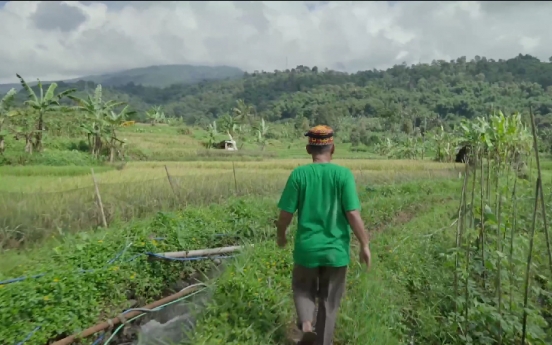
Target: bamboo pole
x,y
539,182
202,252
99,198
118,319
538,189
459,233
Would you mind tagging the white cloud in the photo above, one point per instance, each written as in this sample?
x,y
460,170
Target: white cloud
x,y
67,39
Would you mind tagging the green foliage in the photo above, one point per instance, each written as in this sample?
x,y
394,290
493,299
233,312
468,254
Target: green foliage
x,y
50,157
398,102
48,170
438,92
252,303
66,300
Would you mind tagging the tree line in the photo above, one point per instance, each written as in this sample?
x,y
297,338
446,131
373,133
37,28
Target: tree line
x,y
366,107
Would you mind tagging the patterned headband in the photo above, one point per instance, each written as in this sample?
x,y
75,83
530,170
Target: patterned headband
x,y
320,135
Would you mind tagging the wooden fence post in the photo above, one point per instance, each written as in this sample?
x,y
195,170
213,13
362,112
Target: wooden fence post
x,y
171,182
235,180
99,199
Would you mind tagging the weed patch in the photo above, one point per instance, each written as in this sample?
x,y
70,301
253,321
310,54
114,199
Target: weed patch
x,y
92,276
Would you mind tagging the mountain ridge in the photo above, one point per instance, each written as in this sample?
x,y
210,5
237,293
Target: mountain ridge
x,y
159,76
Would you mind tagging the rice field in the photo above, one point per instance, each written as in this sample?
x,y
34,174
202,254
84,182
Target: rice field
x,y
26,179
34,207
51,228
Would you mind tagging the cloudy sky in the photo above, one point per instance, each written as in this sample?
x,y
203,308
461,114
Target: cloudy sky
x,y
65,39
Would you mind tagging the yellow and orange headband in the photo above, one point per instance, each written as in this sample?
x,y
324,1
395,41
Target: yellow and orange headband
x,y
320,135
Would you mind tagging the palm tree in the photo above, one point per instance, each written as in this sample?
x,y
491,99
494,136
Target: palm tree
x,y
5,105
243,112
47,102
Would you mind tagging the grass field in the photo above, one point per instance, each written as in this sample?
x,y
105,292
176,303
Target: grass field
x,y
249,217
33,207
78,273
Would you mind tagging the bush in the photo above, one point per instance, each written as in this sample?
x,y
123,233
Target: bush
x,y
184,131
50,158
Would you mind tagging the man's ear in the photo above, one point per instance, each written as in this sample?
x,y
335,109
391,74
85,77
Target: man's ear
x,y
308,149
333,149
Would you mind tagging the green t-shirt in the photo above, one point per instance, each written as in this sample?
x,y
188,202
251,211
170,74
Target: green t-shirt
x,y
322,193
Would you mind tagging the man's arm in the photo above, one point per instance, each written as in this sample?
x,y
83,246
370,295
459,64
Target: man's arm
x,y
287,205
357,225
283,222
351,206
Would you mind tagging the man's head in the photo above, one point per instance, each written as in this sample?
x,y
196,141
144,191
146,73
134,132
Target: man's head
x,y
321,141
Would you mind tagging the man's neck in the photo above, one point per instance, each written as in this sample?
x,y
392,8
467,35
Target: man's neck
x,y
321,159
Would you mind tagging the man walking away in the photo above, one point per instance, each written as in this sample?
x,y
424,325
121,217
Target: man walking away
x,y
325,196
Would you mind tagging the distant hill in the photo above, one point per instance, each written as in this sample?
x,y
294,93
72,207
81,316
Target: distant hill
x,y
7,87
154,76
165,75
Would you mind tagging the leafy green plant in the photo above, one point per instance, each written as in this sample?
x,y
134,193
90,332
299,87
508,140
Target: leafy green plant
x,y
48,102
93,274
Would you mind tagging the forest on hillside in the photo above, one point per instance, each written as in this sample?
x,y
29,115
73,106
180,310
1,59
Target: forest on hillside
x,y
440,92
402,96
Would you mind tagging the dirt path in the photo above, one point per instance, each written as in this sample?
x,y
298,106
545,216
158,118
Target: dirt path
x,y
402,217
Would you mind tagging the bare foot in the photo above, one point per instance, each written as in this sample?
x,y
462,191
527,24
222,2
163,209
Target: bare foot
x,y
308,337
307,327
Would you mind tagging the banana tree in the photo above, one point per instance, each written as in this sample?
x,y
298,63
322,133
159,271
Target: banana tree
x,y
155,115
212,130
229,124
261,131
47,102
96,111
113,121
385,148
445,145
5,106
22,124
408,149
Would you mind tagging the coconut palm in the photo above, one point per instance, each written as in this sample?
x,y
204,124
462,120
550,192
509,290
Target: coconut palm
x,y
243,112
47,102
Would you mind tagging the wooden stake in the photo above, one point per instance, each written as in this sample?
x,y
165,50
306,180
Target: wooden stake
x,y
99,198
170,181
235,180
